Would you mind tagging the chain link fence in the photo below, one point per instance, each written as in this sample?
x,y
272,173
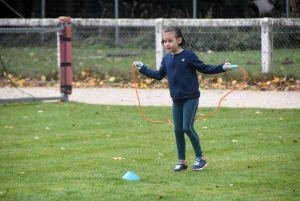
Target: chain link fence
x,y
286,48
104,50
28,59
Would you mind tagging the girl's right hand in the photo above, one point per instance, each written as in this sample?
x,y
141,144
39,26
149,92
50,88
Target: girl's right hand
x,y
138,64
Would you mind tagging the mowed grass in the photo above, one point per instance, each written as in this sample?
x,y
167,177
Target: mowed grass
x,y
34,62
73,151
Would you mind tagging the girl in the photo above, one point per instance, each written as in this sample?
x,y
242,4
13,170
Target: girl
x,y
181,66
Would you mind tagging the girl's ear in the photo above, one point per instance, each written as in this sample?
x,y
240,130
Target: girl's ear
x,y
179,40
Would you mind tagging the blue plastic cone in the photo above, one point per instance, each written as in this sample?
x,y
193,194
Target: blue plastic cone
x,y
131,176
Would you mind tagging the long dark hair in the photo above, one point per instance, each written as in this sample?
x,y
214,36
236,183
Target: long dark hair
x,y
178,34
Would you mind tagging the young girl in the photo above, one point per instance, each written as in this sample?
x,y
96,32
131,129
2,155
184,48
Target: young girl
x,y
181,66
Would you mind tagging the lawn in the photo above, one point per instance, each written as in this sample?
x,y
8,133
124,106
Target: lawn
x,y
73,151
35,62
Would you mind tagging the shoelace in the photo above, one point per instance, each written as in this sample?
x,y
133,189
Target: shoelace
x,y
197,161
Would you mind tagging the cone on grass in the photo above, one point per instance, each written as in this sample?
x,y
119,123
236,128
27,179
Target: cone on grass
x,y
130,176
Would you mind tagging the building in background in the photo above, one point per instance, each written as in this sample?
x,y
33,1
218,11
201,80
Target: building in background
x,y
151,8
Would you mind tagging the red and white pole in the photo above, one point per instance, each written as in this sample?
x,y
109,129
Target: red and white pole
x,y
65,47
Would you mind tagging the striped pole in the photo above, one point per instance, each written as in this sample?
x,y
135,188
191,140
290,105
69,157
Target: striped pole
x,y
65,55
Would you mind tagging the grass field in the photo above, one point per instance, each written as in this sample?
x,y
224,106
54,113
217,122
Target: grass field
x,y
72,151
34,62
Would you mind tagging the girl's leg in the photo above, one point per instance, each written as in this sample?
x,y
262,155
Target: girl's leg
x,y
177,112
189,112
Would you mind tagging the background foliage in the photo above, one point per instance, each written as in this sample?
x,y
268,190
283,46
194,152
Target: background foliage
x,y
142,9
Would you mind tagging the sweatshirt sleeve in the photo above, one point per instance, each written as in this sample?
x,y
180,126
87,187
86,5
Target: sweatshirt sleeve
x,y
155,74
205,68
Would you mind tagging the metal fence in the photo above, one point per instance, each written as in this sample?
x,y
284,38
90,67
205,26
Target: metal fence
x,y
103,47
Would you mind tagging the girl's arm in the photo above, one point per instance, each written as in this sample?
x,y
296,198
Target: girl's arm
x,y
205,68
155,74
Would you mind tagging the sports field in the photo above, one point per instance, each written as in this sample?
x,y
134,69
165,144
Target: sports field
x,y
75,151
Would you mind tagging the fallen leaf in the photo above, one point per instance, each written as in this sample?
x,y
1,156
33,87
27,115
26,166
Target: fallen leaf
x,y
112,79
275,80
20,82
118,158
43,78
9,127
83,73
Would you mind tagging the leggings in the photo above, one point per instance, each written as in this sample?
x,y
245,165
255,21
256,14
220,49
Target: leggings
x,y
184,113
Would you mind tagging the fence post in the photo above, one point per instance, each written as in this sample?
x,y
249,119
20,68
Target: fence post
x,y
158,47
266,45
65,56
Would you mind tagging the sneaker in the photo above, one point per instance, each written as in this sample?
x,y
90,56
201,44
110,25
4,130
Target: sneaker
x,y
200,163
180,166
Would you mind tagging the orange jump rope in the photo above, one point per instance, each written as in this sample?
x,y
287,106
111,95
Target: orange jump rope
x,y
197,117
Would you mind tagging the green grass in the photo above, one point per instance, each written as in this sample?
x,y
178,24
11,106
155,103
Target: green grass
x,y
35,62
66,151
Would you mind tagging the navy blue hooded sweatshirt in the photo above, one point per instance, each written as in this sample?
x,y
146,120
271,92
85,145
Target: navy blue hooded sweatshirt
x,y
181,70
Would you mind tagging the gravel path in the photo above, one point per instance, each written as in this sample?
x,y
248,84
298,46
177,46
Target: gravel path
x,y
161,97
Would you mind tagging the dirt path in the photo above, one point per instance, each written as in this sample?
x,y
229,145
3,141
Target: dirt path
x,y
161,97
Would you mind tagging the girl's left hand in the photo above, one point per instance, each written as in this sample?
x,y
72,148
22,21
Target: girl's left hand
x,y
226,66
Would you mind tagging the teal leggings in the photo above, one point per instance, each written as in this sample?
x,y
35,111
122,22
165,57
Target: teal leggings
x,y
184,113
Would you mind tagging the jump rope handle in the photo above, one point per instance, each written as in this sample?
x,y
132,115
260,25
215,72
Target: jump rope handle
x,y
139,64
232,67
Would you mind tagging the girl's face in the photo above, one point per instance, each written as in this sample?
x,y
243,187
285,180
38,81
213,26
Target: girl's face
x,y
171,43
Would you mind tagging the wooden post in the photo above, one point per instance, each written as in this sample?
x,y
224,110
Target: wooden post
x,y
65,56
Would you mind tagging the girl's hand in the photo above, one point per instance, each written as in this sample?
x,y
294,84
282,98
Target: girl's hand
x,y
138,64
226,66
